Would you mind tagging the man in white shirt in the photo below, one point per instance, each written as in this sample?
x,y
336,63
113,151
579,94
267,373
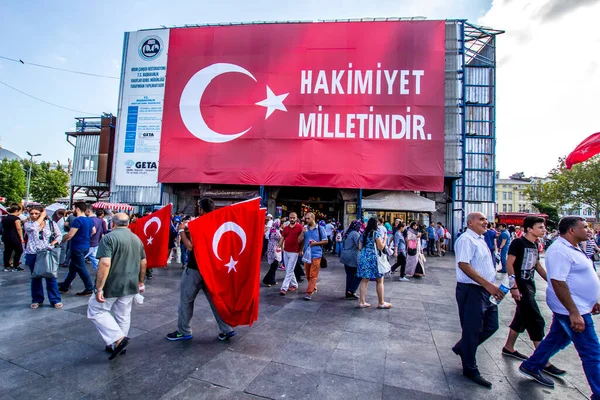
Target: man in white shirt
x,y
476,277
329,232
268,226
572,295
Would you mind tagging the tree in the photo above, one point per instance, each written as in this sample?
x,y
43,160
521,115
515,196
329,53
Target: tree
x,y
551,212
48,184
575,187
12,181
539,192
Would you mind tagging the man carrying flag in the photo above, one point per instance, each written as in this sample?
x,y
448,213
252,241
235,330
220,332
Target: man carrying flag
x,y
191,283
153,231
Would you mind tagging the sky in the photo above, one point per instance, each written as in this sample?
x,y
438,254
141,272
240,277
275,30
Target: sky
x,y
548,76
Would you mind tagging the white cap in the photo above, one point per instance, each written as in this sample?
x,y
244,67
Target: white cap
x,y
269,216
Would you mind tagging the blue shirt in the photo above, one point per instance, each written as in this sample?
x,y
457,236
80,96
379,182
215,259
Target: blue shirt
x,y
504,236
81,240
313,234
430,233
490,238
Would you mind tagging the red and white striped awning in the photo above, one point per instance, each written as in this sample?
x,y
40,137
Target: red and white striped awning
x,y
113,206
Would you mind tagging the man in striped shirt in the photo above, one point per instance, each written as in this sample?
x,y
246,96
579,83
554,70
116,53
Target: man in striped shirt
x,y
476,277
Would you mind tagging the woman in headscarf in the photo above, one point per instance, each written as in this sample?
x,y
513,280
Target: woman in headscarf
x,y
349,258
272,249
414,263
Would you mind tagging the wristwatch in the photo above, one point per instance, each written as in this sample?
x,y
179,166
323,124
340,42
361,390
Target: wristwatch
x,y
98,290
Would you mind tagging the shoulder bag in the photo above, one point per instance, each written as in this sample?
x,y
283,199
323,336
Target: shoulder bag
x,y
46,263
383,265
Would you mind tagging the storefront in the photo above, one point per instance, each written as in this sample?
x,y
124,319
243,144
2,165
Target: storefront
x,y
406,206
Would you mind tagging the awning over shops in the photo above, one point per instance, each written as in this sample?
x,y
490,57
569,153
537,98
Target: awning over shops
x,y
113,206
398,201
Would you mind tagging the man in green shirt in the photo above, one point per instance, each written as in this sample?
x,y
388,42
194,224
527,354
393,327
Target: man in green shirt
x,y
120,277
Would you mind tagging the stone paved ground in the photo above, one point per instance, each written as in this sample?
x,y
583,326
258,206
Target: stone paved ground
x,y
323,349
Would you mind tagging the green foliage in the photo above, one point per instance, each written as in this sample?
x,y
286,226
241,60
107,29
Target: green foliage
x,y
551,212
578,186
48,184
12,181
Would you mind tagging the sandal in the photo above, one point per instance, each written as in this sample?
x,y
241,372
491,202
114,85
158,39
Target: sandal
x,y
58,305
35,305
384,306
365,305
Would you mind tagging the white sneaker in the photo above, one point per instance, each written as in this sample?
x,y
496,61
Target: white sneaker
x,y
403,279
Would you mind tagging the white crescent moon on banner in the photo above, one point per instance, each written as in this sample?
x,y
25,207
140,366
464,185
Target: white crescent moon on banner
x,y
228,227
189,103
149,222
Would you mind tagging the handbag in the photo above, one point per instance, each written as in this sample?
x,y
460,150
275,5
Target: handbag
x,y
383,265
46,263
278,255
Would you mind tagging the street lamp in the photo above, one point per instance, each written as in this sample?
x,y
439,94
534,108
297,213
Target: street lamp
x,y
29,174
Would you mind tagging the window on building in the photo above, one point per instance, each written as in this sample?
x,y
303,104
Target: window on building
x,y
510,208
90,163
503,207
503,195
510,195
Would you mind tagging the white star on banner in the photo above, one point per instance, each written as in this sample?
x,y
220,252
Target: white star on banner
x,y
231,265
150,239
273,102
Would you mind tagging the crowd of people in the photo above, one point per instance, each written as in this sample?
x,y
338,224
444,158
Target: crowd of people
x,y
298,245
572,294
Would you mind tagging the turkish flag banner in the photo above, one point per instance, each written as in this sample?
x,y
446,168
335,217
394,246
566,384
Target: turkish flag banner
x,y
278,104
584,151
154,230
227,245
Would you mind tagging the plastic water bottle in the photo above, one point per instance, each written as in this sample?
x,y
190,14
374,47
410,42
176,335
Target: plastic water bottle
x,y
505,286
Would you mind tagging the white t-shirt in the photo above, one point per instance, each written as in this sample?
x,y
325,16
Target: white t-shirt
x,y
268,228
329,230
569,264
382,232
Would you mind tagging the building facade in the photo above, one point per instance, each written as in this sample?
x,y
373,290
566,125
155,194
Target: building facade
x,y
510,196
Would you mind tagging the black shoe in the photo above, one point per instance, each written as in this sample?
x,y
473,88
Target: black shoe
x,y
178,336
351,296
552,370
457,351
480,380
63,289
86,292
300,280
225,336
18,268
119,349
514,354
110,350
537,376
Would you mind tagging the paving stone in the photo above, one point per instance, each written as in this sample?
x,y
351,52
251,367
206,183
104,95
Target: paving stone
x,y
231,370
394,393
358,364
305,355
193,389
13,376
416,376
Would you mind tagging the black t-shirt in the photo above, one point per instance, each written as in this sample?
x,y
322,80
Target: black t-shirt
x,y
9,229
526,257
191,264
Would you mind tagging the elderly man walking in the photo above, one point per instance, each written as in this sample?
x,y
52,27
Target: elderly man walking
x,y
476,277
120,277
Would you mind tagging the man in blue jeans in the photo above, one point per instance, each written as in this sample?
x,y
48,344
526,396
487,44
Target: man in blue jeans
x,y
80,234
572,295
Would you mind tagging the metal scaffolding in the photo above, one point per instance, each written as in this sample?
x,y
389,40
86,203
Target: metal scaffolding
x,y
474,190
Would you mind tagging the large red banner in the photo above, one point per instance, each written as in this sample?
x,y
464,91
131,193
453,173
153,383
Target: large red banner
x,y
345,105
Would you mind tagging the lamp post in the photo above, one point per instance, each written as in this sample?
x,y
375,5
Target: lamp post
x,y
29,174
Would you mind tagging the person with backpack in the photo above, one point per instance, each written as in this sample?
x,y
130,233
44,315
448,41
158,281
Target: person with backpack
x,y
315,238
339,241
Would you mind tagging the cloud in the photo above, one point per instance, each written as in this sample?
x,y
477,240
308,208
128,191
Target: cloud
x,y
546,85
61,59
555,9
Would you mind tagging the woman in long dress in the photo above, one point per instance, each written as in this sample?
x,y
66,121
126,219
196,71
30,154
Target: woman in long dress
x,y
272,248
414,258
369,244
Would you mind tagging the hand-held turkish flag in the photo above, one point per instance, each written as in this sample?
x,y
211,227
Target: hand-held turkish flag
x,y
154,231
227,245
584,151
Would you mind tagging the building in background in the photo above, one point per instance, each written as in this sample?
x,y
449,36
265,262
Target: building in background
x,y
510,195
441,174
